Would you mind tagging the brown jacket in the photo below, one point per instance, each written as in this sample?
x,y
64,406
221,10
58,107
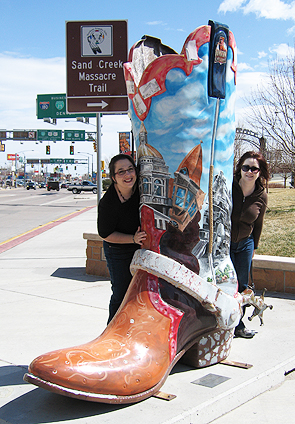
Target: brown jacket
x,y
247,213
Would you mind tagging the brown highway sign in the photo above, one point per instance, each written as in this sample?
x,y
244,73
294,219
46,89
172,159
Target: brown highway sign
x,y
110,104
96,51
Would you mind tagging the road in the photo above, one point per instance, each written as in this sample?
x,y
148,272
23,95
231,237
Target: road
x,y
23,210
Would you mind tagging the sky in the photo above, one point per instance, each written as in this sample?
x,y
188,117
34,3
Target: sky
x,y
33,56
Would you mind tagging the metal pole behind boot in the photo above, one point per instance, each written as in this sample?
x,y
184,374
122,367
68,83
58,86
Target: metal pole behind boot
x,y
216,88
211,227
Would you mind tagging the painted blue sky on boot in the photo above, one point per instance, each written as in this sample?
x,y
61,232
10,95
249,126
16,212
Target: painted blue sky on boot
x,y
183,116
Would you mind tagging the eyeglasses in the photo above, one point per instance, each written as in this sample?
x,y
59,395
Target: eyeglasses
x,y
122,172
253,169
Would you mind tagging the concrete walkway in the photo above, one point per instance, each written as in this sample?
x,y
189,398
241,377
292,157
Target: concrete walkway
x,y
47,302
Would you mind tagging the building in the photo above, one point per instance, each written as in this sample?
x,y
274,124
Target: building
x,y
154,176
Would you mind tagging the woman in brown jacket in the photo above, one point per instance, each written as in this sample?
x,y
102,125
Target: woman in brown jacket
x,y
249,205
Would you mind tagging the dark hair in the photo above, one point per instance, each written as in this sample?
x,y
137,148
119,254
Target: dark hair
x,y
115,159
264,172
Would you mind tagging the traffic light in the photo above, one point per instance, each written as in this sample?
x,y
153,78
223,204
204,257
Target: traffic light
x,y
94,146
48,150
71,150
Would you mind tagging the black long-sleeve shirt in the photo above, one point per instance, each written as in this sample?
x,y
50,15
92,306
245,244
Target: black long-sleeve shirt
x,y
116,216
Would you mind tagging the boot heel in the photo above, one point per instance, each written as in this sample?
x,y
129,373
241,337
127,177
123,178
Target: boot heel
x,y
209,349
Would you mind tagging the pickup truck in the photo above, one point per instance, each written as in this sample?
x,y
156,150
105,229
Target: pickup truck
x,y
85,186
52,185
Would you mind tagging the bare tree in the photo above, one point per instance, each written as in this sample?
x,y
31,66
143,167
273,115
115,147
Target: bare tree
x,y
272,107
279,163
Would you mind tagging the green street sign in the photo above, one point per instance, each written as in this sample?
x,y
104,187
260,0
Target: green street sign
x,y
54,106
74,135
49,135
59,160
62,161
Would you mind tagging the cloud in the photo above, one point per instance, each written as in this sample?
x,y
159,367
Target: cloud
x,y
263,64
282,50
161,23
230,5
173,29
246,83
291,31
247,80
244,67
272,9
153,23
261,55
23,78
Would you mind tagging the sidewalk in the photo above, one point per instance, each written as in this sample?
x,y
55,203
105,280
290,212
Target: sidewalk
x,y
47,302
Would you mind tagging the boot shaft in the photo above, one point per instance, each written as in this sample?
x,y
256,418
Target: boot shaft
x,y
173,119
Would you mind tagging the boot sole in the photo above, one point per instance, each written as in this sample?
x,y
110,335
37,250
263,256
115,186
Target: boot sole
x,y
194,354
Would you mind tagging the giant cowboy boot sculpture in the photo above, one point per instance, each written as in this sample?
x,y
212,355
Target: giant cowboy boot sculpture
x,y
182,301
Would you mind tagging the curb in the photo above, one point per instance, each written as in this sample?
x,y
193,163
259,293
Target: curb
x,y
220,405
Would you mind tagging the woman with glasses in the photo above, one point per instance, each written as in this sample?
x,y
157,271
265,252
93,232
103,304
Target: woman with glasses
x,y
119,225
249,205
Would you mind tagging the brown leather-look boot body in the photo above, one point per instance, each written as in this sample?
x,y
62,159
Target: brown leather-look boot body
x,y
156,324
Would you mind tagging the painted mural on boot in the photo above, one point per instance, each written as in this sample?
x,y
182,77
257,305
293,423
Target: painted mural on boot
x,y
172,120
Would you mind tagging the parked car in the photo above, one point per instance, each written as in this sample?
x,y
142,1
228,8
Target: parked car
x,y
64,185
85,186
30,185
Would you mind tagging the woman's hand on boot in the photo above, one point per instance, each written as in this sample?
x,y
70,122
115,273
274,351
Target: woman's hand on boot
x,y
139,236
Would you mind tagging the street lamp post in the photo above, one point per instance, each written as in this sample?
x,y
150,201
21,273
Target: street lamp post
x,y
89,154
98,152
